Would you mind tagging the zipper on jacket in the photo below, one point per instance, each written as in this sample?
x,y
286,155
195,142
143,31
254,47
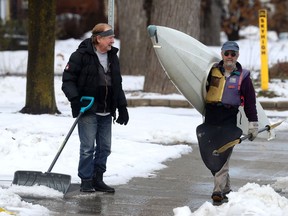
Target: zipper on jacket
x,y
106,93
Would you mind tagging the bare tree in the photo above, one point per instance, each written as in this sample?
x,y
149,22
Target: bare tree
x,y
40,96
133,36
137,55
279,17
239,13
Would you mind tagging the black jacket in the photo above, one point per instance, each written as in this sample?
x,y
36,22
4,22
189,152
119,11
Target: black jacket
x,y
82,77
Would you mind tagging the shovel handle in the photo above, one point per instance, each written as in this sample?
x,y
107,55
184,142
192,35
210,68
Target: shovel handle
x,y
82,110
266,128
237,141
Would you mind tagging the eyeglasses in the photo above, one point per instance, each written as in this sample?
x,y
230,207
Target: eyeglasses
x,y
233,54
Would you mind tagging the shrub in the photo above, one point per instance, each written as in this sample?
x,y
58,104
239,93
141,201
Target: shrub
x,y
279,71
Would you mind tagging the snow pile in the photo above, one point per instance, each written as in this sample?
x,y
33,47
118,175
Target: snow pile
x,y
251,199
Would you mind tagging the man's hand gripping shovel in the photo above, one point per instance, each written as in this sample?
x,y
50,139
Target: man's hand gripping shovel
x,y
231,144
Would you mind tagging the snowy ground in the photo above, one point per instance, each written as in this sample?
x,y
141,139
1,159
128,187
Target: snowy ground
x,y
30,142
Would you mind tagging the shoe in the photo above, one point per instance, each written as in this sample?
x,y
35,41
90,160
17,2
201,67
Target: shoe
x,y
225,198
86,186
99,185
217,197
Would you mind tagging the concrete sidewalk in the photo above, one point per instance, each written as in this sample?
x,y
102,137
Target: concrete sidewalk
x,y
185,182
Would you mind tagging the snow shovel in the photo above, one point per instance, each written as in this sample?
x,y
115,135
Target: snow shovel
x,y
57,181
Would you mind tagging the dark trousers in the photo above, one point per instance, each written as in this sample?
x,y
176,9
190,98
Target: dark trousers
x,y
220,115
217,114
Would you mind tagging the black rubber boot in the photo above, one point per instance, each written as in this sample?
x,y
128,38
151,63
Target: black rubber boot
x,y
217,198
225,198
99,184
86,186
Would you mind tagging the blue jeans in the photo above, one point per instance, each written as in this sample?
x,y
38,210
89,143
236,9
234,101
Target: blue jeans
x,y
93,155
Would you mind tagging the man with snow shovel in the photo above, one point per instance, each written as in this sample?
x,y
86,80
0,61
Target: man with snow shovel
x,y
228,87
93,70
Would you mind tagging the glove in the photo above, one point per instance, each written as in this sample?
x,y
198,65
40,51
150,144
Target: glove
x,y
253,130
75,106
123,117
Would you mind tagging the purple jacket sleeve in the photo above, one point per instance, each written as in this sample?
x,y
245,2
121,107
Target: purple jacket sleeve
x,y
248,92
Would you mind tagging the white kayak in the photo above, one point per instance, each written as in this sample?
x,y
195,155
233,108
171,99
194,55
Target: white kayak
x,y
187,63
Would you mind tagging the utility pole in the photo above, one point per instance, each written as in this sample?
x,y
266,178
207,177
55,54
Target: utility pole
x,y
111,13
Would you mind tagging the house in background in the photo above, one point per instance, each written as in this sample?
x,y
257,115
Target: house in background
x,y
13,9
4,10
74,17
13,34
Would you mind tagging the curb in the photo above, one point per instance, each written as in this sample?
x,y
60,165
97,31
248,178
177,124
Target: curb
x,y
268,105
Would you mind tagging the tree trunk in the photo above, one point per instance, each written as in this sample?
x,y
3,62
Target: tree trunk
x,y
137,56
132,28
210,22
40,96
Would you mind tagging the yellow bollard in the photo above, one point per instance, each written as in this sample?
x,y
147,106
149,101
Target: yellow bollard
x,y
263,49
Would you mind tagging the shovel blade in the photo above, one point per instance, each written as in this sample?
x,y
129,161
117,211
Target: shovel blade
x,y
57,181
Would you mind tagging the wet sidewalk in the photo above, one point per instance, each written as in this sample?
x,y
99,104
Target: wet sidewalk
x,y
185,182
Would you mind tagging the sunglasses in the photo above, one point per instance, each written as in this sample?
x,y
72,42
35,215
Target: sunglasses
x,y
233,54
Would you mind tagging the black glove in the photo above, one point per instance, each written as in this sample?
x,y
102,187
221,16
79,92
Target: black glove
x,y
76,106
123,117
